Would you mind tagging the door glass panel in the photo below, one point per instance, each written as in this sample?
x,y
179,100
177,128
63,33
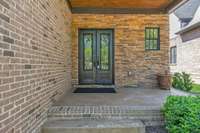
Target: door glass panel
x,y
88,41
104,51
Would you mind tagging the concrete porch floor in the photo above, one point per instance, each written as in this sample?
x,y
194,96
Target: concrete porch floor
x,y
86,112
142,97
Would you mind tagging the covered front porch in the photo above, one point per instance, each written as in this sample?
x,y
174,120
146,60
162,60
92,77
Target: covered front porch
x,y
48,47
122,44
127,96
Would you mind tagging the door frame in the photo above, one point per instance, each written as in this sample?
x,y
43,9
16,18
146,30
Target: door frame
x,y
113,55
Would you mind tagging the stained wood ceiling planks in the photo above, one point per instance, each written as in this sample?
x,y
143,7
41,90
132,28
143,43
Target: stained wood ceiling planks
x,y
123,6
120,3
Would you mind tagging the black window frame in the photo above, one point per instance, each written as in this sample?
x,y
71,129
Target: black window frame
x,y
152,39
173,56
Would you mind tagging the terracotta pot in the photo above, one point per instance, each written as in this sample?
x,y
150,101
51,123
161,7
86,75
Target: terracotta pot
x,y
164,81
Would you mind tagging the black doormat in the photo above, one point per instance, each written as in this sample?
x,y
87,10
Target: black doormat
x,y
94,90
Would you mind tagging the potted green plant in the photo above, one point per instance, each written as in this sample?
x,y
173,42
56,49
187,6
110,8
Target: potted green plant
x,y
164,80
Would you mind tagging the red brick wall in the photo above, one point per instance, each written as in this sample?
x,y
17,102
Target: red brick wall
x,y
35,56
130,54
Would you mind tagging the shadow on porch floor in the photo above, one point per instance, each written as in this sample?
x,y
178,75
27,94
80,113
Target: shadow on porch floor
x,y
124,97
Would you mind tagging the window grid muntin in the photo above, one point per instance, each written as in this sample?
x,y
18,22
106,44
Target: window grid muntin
x,y
149,38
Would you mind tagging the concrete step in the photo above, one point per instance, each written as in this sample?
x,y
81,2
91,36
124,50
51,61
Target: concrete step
x,y
104,112
93,126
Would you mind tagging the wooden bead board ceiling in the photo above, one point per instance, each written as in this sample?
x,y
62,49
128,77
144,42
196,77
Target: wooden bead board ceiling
x,y
81,6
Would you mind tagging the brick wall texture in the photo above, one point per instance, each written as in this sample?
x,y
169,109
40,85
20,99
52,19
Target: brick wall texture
x,y
188,53
35,66
36,51
130,54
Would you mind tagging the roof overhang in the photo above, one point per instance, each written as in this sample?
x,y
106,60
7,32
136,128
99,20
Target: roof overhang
x,y
124,6
189,28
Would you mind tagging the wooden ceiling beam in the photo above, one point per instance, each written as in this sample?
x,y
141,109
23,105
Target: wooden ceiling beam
x,y
120,3
90,10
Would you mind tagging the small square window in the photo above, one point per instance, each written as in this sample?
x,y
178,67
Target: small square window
x,y
152,38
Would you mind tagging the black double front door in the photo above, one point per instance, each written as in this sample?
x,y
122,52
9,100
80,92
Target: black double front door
x,y
96,56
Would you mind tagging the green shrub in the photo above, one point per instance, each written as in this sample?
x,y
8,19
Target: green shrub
x,y
182,114
182,81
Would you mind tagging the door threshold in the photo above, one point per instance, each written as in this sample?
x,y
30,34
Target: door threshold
x,y
95,86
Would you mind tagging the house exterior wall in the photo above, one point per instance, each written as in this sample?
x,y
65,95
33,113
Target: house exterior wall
x,y
174,26
35,56
130,54
188,53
